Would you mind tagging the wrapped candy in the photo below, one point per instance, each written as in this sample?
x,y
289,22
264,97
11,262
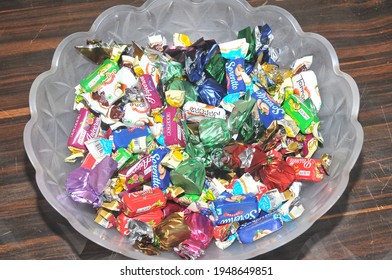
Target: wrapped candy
x,y
171,231
189,175
214,133
201,235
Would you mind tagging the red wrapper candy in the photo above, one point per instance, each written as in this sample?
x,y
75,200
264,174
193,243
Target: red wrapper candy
x,y
306,169
259,159
136,203
277,174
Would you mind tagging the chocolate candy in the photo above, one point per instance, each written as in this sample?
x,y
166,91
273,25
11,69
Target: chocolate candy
x,y
86,127
102,74
150,92
259,228
160,177
172,131
306,169
235,208
267,108
189,175
137,173
171,231
196,111
136,203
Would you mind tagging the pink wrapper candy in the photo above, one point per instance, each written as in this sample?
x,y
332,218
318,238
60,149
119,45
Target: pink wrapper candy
x,y
173,132
150,92
201,236
137,173
85,128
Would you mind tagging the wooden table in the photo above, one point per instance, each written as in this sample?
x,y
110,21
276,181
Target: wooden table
x,y
359,225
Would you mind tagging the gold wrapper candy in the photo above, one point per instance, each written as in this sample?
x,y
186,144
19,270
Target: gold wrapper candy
x,y
171,231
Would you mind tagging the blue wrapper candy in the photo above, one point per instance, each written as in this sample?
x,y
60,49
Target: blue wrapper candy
x,y
160,177
291,209
259,228
234,75
270,201
122,137
239,208
267,108
210,92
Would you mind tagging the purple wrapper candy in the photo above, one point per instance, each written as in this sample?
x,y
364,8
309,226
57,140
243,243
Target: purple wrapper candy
x,y
173,132
160,177
150,92
268,109
201,236
235,82
78,188
85,128
171,207
101,174
137,173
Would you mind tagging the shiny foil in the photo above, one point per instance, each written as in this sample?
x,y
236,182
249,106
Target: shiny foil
x,y
171,231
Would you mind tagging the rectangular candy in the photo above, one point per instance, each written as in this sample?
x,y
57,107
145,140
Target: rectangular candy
x,y
196,111
269,111
136,203
173,132
234,208
306,86
259,228
86,127
160,177
235,81
137,173
306,169
301,111
122,137
102,74
150,92
123,157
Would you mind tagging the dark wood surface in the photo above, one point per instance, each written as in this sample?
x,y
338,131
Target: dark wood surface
x,y
358,226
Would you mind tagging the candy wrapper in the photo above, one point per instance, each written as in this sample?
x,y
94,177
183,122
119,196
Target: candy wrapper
x,y
160,177
234,208
201,235
136,203
190,176
86,127
171,231
259,228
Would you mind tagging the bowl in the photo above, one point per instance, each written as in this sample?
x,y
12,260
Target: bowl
x,y
52,117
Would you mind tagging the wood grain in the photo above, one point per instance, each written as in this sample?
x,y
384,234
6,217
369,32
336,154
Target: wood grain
x,y
358,226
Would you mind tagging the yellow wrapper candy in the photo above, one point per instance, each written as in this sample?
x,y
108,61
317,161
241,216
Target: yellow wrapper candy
x,y
181,40
175,98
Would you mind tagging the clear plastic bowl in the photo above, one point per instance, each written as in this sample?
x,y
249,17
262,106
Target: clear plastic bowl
x,y
52,117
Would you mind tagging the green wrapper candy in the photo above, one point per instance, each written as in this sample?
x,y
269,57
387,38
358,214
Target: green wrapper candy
x,y
123,157
241,112
103,73
214,133
302,112
190,176
249,35
190,91
194,147
216,67
173,69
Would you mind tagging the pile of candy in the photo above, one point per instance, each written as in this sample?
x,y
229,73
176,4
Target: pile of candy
x,y
185,143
